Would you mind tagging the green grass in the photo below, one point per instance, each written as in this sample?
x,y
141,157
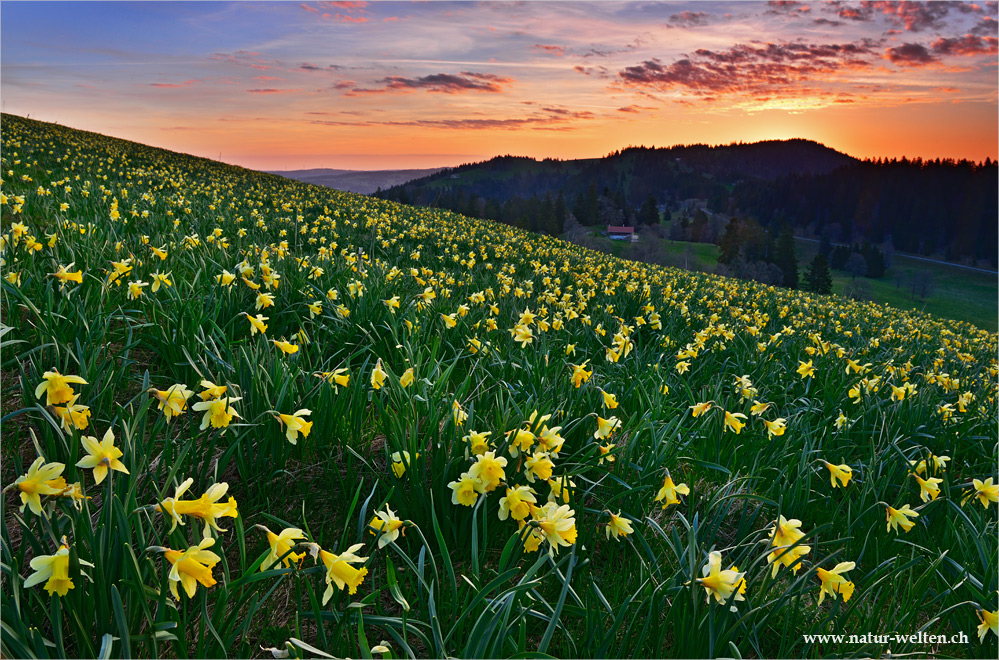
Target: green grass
x,y
959,294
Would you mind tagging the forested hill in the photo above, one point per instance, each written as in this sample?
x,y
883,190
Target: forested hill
x,y
942,208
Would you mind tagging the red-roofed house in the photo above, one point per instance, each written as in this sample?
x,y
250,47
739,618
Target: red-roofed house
x,y
621,233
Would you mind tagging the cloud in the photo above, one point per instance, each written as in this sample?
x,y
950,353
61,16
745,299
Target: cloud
x,y
750,69
688,19
986,26
186,83
446,83
475,124
270,90
827,21
969,44
909,54
915,16
787,7
551,49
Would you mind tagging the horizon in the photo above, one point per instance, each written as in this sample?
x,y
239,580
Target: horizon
x,y
389,85
534,158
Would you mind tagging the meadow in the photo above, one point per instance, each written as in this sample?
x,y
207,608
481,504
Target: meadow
x,y
245,416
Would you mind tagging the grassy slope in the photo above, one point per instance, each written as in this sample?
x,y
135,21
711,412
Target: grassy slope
x,y
959,294
633,597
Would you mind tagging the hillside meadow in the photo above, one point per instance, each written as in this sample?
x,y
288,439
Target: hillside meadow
x,y
245,416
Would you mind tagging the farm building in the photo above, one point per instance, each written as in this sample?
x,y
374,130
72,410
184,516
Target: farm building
x,y
621,233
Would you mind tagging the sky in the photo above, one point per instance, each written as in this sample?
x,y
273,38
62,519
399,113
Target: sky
x,y
389,85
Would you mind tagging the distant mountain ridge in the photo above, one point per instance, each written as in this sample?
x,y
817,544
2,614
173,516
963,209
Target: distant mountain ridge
x,y
635,165
939,207
364,182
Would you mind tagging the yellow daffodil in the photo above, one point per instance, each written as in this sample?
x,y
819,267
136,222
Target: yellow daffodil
x,y
73,415
605,427
173,400
218,412
378,375
618,526
842,472
989,622
388,524
102,456
407,378
401,461
787,550
579,374
984,491
719,584
833,582
517,503
191,567
734,421
557,525
339,570
488,469
281,546
699,409
286,347
56,387
477,442
900,518
295,424
805,369
465,490
776,427
53,570
669,492
929,488
41,479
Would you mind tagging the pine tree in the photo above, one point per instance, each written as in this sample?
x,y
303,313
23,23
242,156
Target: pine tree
x,y
786,259
649,213
818,279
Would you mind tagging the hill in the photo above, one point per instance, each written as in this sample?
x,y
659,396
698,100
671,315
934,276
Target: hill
x,y
358,181
244,416
945,209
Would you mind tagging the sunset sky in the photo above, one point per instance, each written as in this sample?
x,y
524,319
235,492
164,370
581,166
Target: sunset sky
x,y
361,85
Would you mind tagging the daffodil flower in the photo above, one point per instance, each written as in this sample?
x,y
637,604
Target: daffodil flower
x,y
618,526
207,508
378,375
900,518
833,582
517,503
557,525
218,412
465,490
295,424
56,387
102,456
488,469
53,570
786,549
173,400
720,584
280,547
842,472
191,567
388,524
37,482
984,491
668,493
